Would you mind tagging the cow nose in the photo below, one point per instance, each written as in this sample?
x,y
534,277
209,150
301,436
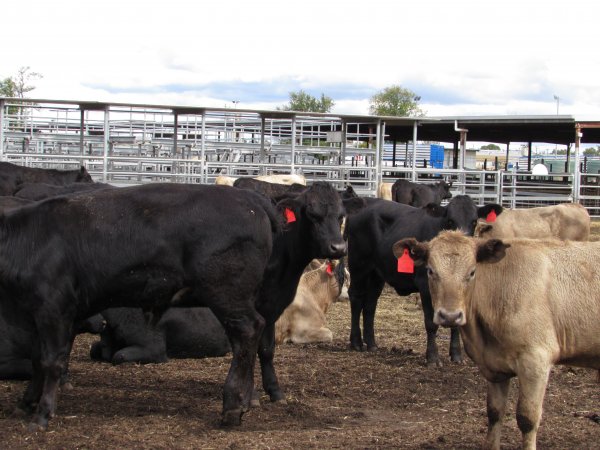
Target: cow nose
x,y
338,249
450,319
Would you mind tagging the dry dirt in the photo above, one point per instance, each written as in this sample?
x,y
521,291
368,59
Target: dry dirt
x,y
336,398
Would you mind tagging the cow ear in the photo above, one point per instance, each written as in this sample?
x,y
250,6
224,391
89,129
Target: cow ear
x,y
484,210
353,205
435,210
289,208
491,251
482,228
418,251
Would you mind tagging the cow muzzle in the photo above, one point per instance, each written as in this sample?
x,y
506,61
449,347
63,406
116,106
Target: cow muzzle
x,y
337,250
447,318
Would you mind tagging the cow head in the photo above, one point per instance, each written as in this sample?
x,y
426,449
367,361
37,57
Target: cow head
x,y
444,189
83,176
451,260
320,213
461,213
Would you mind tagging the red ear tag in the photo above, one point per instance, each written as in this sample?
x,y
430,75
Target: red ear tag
x,y
329,269
406,263
491,217
289,215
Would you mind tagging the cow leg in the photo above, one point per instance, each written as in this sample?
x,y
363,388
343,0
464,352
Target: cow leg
x,y
55,336
497,395
140,354
532,387
432,356
16,369
33,391
374,291
244,334
266,352
364,293
455,350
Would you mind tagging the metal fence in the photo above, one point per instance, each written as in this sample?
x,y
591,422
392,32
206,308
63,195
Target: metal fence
x,y
125,144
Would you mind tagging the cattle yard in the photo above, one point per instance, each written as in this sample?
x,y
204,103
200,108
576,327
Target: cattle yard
x,y
336,398
124,144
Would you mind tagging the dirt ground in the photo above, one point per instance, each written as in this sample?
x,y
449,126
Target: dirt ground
x,y
336,398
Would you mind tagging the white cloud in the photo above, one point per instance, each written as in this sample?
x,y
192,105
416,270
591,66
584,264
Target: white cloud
x,y
463,57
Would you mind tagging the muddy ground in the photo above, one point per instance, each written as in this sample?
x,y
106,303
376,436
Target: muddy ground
x,y
336,398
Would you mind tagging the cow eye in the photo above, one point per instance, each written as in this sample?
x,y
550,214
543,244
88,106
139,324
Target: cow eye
x,y
472,274
430,272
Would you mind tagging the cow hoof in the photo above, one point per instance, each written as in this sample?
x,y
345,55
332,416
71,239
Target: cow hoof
x,y
67,386
356,348
37,425
458,360
232,418
255,401
372,348
435,363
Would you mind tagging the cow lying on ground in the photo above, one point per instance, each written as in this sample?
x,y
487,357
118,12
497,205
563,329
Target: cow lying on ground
x,y
40,191
12,175
567,221
275,179
420,194
170,239
303,321
384,190
180,333
522,305
196,332
371,234
272,190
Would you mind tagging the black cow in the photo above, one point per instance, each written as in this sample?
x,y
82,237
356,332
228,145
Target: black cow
x,y
180,333
371,234
12,175
68,257
273,191
8,202
17,340
40,191
313,231
157,246
420,194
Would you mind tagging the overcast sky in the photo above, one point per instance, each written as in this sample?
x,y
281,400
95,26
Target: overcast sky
x,y
462,57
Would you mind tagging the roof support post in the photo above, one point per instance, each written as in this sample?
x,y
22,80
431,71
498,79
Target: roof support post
x,y
342,162
203,168
81,120
106,144
2,104
576,170
293,165
378,157
261,156
414,154
175,127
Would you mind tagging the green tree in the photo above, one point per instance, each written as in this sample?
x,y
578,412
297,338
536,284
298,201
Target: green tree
x,y
592,151
301,101
395,101
20,84
8,88
490,147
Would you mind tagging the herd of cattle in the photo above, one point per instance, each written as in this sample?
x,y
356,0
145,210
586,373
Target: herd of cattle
x,y
174,270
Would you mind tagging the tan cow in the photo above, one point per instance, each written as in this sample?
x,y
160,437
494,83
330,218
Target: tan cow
x,y
303,321
565,221
385,191
522,305
278,179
